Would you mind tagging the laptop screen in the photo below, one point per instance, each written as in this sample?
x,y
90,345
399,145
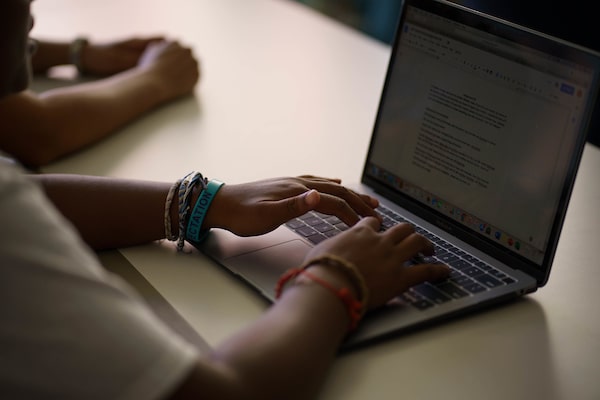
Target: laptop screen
x,y
483,123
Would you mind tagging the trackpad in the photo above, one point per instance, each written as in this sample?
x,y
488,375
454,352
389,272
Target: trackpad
x,y
262,268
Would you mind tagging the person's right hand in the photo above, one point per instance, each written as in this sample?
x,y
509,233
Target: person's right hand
x,y
172,65
381,257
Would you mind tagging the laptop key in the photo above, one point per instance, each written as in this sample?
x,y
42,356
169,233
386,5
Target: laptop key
x,y
451,289
294,224
312,221
474,287
488,280
341,226
421,304
387,223
316,239
331,233
460,280
447,258
306,231
431,293
323,227
472,271
332,219
460,264
497,274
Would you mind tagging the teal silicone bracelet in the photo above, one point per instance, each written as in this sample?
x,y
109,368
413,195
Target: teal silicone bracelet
x,y
194,232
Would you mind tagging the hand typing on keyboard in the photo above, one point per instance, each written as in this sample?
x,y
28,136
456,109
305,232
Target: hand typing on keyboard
x,y
381,256
259,207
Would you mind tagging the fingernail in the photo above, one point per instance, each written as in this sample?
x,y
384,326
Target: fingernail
x,y
311,197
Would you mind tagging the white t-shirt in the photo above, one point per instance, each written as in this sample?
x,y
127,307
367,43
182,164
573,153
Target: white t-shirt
x,y
68,328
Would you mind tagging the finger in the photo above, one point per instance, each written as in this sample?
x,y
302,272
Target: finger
x,y
141,44
370,222
359,204
414,244
320,179
372,201
295,206
420,273
337,206
398,233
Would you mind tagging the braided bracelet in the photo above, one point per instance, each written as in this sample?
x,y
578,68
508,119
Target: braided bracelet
x,y
183,185
356,307
168,234
186,187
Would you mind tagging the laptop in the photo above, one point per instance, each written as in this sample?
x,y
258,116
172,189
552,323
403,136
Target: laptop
x,y
477,141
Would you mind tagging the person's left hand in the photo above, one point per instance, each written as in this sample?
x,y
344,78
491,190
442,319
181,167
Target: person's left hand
x,y
259,207
111,58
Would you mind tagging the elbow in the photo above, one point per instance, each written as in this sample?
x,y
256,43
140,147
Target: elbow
x,y
37,154
37,147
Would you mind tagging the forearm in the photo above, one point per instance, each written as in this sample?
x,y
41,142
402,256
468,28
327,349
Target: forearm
x,y
109,213
50,54
96,108
285,354
64,120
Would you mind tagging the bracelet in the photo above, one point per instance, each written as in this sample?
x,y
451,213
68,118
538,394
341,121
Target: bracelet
x,y
356,307
329,260
168,234
194,232
75,50
186,187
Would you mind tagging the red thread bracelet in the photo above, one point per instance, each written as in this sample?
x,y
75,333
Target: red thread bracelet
x,y
354,307
285,278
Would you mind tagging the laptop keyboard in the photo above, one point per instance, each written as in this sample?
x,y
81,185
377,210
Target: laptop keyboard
x,y
468,275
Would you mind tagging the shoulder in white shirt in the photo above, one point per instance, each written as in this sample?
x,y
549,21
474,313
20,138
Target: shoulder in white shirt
x,y
68,328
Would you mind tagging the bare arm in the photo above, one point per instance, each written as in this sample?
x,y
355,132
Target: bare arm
x,y
38,129
49,54
109,213
96,58
287,352
112,213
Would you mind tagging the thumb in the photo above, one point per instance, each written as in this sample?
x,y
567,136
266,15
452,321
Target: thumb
x,y
311,199
302,203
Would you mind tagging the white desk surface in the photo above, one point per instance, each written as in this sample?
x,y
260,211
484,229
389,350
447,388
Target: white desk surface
x,y
278,78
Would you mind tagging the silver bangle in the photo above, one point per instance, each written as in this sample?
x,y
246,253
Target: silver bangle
x,y
75,50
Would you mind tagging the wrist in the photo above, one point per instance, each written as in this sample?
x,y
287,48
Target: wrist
x,y
335,278
179,204
196,228
76,49
316,306
339,277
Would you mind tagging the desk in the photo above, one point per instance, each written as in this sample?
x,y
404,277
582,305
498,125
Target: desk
x,y
278,78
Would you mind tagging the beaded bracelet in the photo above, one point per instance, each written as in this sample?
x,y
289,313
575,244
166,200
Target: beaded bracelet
x,y
356,307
